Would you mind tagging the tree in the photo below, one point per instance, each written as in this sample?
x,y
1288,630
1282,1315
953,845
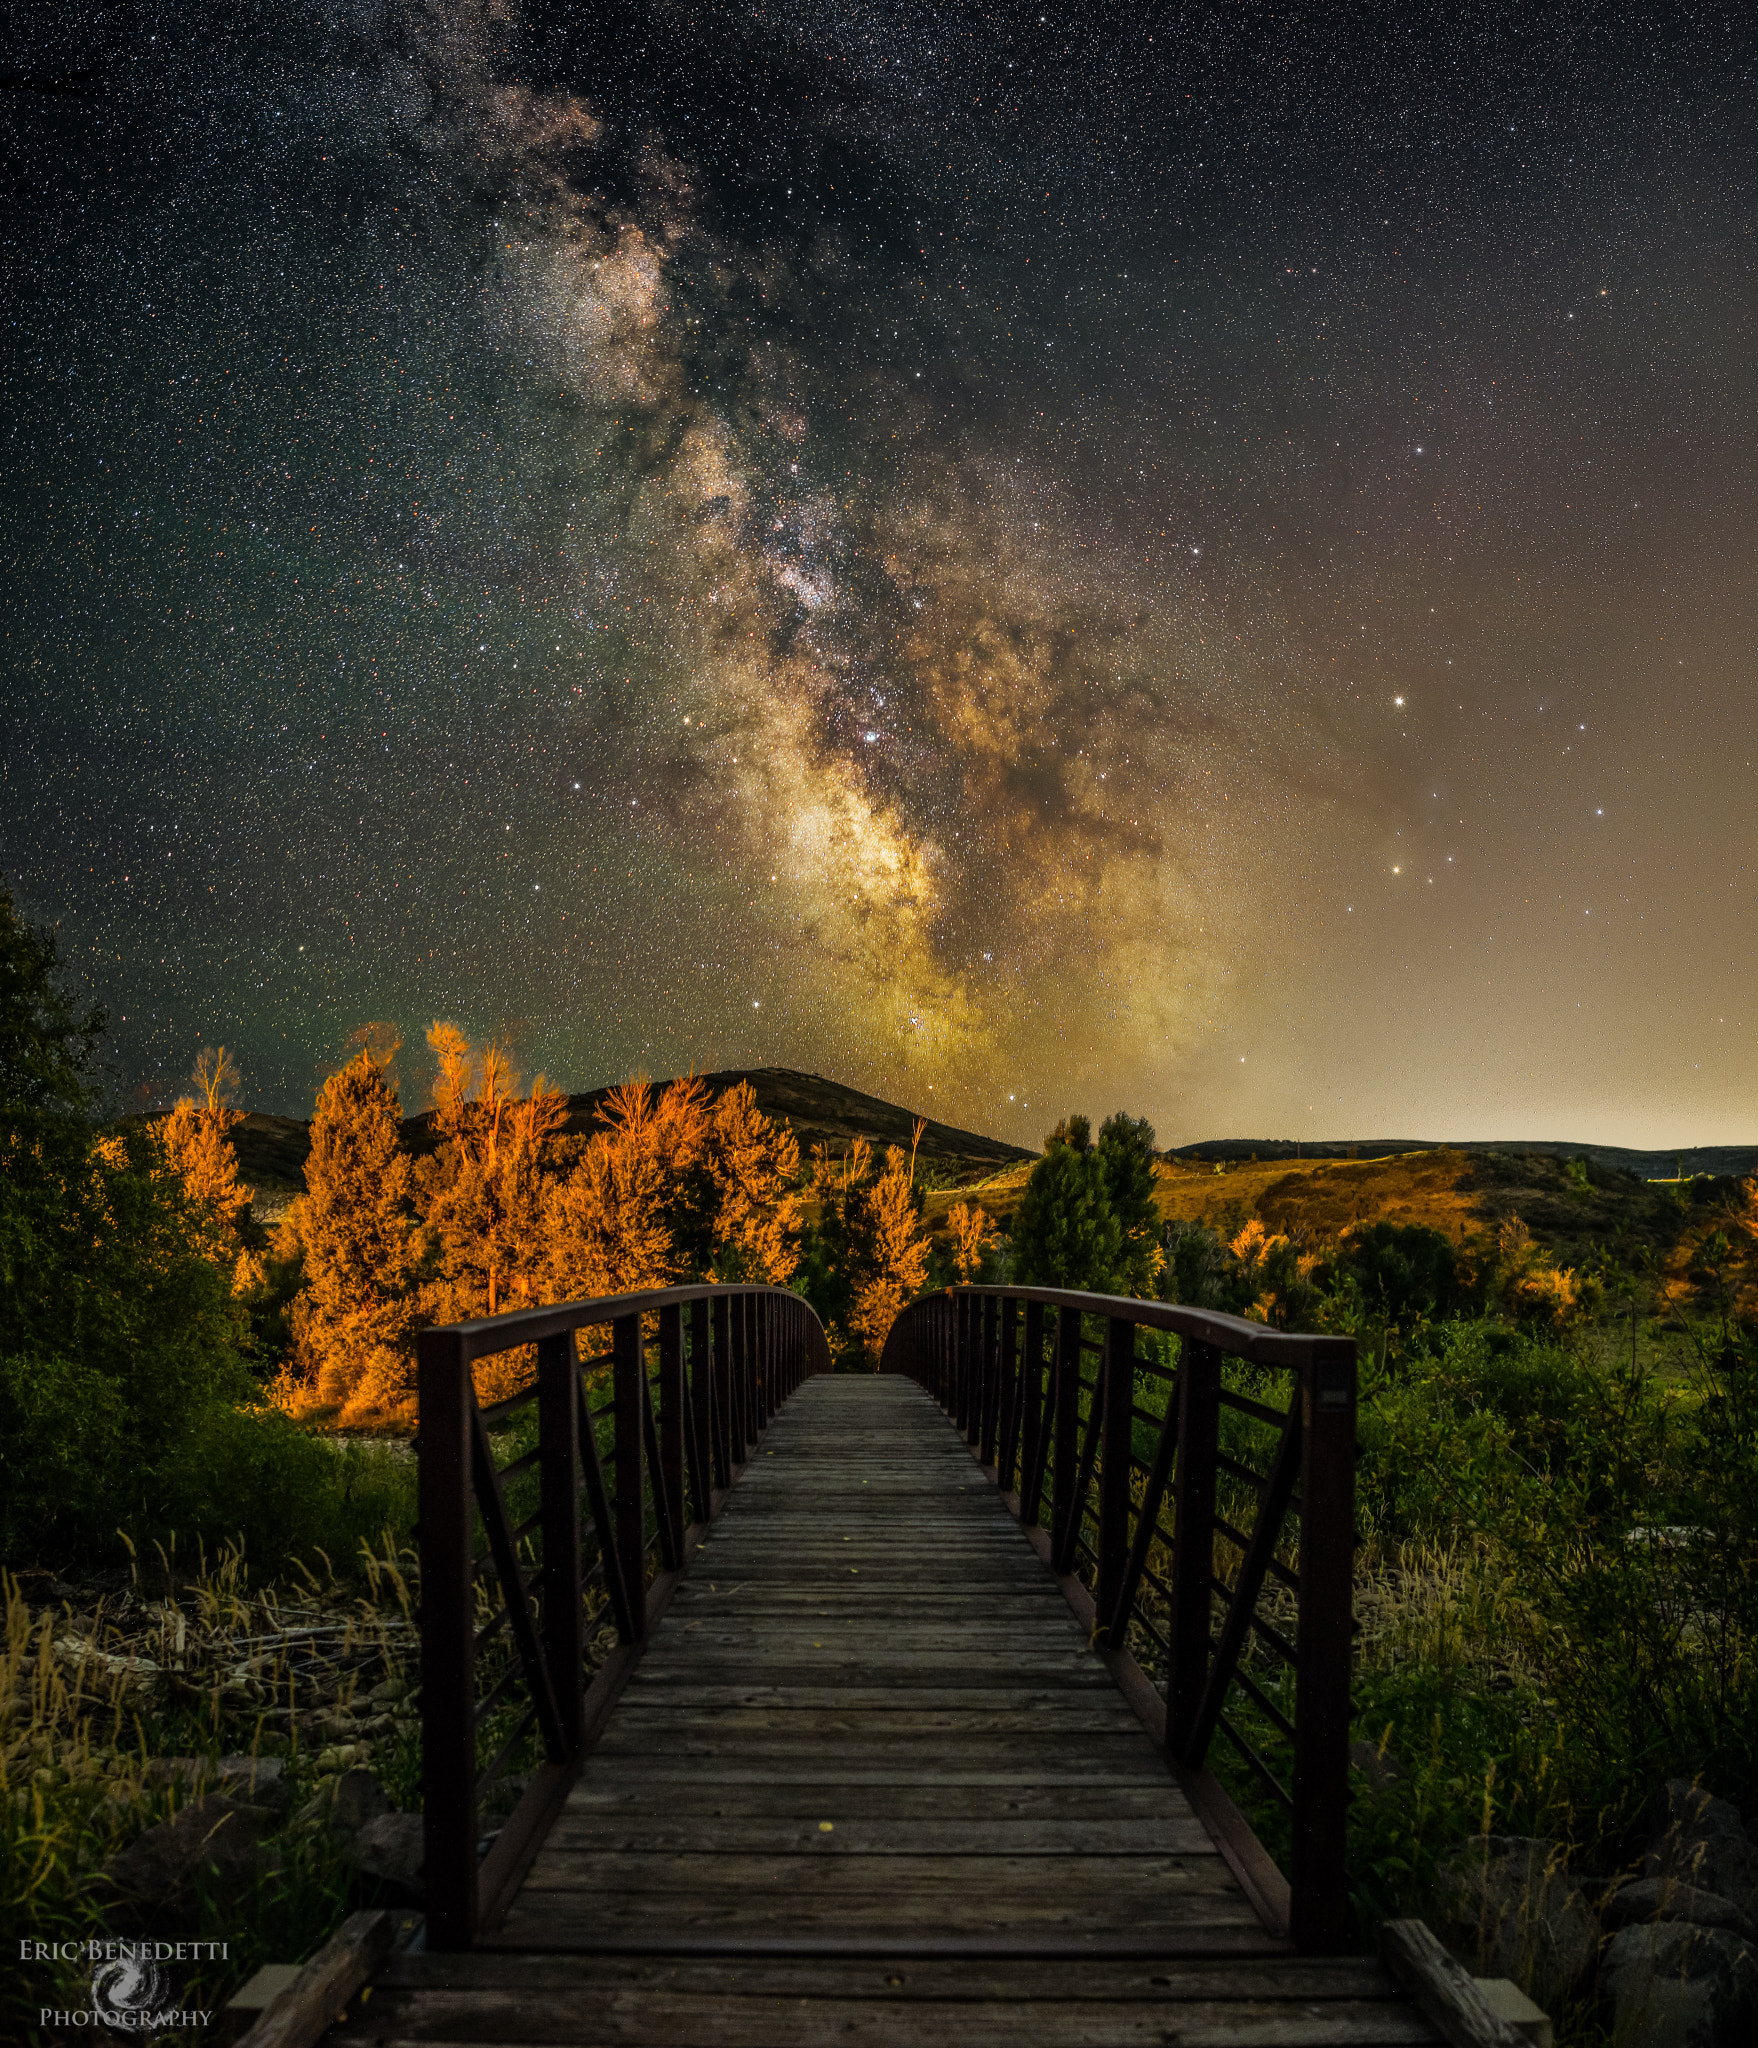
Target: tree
x,y
1126,1159
1065,1232
899,1251
635,1209
48,1045
118,1332
484,1192
755,1165
197,1137
1407,1271
354,1320
970,1227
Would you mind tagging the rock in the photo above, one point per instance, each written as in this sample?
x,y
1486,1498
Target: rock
x,y
1378,1766
390,1850
1672,1985
1506,1907
1701,1841
212,1834
250,1780
1665,1898
358,1799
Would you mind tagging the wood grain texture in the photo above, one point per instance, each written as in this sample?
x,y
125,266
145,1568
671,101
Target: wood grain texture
x,y
869,1785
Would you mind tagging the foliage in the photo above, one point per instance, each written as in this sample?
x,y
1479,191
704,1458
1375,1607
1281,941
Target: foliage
x,y
355,1316
1065,1232
868,1254
1560,1592
483,1194
1125,1154
48,1046
755,1165
899,1252
199,1665
1406,1272
117,1330
969,1227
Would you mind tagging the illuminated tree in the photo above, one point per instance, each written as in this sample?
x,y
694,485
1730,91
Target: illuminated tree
x,y
755,1165
197,1137
355,1316
612,1223
484,1192
899,1251
969,1226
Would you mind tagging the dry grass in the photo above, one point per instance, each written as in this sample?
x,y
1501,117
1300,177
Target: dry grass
x,y
96,1691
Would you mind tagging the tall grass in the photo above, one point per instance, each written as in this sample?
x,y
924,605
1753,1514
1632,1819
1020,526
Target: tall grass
x,y
195,1664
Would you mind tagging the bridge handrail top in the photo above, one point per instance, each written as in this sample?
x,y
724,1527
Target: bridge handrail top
x,y
485,1335
1235,1334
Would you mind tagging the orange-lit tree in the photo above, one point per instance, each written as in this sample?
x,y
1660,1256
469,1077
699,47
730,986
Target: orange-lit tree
x,y
620,1218
755,1165
899,1251
969,1226
354,1319
484,1192
197,1137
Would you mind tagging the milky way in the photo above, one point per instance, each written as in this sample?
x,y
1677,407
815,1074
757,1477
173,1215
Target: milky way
x,y
1023,560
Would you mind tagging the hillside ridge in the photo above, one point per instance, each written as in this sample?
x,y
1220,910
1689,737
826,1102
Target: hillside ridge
x,y
273,1149
1722,1161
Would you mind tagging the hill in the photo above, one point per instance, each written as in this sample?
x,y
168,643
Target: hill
x,y
1457,1189
1720,1160
272,1149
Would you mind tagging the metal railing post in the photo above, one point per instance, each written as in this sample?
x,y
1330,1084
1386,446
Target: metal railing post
x,y
1008,1446
446,1506
1117,1391
1031,1392
991,1378
629,1372
720,1368
1193,1534
558,1444
1064,1504
701,1397
671,1420
1323,1648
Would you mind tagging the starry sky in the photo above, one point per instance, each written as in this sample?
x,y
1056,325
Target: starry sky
x,y
1193,559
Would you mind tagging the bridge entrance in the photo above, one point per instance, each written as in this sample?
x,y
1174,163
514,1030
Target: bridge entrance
x,y
863,1770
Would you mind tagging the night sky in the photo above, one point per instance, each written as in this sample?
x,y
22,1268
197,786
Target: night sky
x,y
1197,560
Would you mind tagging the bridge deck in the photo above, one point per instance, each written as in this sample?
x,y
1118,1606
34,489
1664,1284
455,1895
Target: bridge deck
x,y
868,1785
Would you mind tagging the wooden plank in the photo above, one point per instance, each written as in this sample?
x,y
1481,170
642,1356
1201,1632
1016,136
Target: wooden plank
x,y
667,2020
1098,1714
642,1698
1443,1989
886,1835
299,2016
872,1799
1294,1978
999,1879
886,1922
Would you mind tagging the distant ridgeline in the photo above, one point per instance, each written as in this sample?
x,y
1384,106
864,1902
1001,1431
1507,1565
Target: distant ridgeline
x,y
272,1149
1720,1160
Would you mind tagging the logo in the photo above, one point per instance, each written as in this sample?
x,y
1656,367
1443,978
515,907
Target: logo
x,y
127,1986
131,1990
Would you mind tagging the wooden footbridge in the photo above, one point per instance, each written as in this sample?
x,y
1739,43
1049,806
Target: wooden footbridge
x,y
875,1709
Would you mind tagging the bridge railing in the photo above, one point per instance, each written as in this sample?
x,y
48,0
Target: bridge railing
x,y
552,1518
1241,1609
